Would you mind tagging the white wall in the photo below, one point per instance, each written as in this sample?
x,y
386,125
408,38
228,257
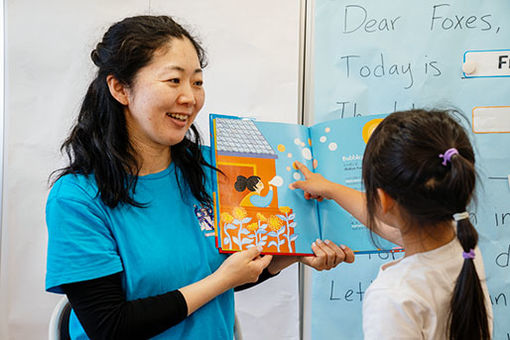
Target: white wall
x,y
253,50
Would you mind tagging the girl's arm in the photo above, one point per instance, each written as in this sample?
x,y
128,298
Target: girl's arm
x,y
262,201
316,186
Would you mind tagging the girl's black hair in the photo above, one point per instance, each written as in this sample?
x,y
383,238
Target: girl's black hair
x,y
402,158
99,143
242,183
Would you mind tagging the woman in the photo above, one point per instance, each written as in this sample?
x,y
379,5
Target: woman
x,y
125,244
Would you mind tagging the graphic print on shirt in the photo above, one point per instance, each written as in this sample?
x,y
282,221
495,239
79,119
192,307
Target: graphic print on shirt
x,y
205,219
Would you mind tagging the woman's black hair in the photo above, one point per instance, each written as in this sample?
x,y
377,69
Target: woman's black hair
x,y
242,183
99,143
402,158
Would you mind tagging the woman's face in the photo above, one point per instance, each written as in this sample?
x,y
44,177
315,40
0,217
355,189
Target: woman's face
x,y
165,97
259,186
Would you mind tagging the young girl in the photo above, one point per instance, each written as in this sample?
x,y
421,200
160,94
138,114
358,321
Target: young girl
x,y
419,176
254,197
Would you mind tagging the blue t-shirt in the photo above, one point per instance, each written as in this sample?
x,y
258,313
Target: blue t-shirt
x,y
159,248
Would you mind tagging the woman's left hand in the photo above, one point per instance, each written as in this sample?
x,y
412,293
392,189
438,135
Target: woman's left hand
x,y
327,255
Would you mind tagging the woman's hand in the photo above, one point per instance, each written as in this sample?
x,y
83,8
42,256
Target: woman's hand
x,y
237,269
327,255
243,267
315,185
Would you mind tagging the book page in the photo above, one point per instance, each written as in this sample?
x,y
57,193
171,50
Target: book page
x,y
338,150
253,204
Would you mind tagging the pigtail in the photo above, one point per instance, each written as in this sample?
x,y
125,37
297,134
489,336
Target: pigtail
x,y
468,313
240,184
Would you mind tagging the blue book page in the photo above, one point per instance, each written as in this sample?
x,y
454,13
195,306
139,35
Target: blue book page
x,y
292,143
253,204
338,148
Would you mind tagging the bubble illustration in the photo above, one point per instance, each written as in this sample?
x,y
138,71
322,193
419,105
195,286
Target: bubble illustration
x,y
306,153
277,181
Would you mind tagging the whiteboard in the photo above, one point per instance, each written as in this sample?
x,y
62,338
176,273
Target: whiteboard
x,y
371,57
253,70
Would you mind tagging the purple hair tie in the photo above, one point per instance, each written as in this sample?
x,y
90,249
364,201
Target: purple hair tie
x,y
447,156
469,255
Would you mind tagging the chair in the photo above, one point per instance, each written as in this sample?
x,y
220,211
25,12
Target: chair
x,y
59,321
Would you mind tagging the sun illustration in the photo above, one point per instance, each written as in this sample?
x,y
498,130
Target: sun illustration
x,y
369,128
281,147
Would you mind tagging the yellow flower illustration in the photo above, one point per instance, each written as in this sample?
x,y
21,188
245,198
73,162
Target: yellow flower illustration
x,y
261,217
226,217
239,213
285,210
274,223
252,226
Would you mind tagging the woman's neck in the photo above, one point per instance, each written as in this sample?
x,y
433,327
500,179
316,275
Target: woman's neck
x,y
418,240
152,159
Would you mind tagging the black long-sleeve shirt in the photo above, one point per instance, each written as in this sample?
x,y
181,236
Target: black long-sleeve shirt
x,y
101,306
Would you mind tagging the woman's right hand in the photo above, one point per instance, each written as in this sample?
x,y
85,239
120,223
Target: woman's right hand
x,y
315,185
243,267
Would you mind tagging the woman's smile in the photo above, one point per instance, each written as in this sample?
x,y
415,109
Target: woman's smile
x,y
179,119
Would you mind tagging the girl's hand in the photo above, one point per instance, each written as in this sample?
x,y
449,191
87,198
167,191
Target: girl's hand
x,y
243,267
327,255
315,185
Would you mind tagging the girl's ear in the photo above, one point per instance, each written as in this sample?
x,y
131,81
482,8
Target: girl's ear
x,y
387,203
117,90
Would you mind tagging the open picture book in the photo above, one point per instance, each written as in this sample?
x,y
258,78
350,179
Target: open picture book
x,y
253,205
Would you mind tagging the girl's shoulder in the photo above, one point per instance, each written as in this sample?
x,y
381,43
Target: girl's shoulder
x,y
435,268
